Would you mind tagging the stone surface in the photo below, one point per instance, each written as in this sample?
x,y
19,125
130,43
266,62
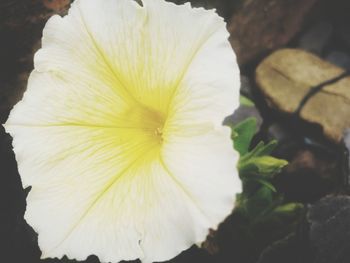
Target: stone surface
x,y
344,32
246,86
224,8
244,112
311,174
262,25
290,249
339,58
21,24
347,162
308,161
316,37
347,138
279,133
57,5
330,229
287,75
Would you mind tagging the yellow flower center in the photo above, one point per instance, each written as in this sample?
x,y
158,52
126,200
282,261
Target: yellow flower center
x,y
148,123
154,123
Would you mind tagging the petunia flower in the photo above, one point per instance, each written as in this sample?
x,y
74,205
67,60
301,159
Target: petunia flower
x,y
120,133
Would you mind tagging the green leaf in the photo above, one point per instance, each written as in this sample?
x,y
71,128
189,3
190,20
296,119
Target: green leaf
x,y
267,149
260,150
288,209
264,183
252,182
259,202
243,134
245,101
260,208
265,166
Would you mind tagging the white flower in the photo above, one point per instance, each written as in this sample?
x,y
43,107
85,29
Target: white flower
x,y
120,130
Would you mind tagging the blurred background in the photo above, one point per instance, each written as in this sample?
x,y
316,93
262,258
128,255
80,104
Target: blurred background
x,y
285,49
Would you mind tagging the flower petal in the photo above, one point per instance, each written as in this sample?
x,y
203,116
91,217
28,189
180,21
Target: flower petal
x,y
209,89
207,164
203,171
130,209
107,177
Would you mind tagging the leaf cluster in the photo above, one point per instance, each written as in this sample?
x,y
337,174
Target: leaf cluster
x,y
266,215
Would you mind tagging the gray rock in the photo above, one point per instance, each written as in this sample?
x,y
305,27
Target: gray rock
x,y
246,86
343,32
242,113
287,75
339,58
316,37
330,229
286,250
259,26
347,145
347,138
277,132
